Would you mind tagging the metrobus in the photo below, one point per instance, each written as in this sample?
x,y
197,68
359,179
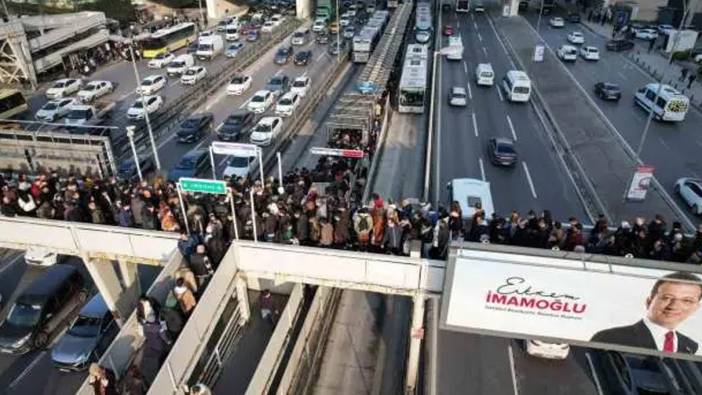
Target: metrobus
x,y
12,103
462,6
413,85
169,39
363,44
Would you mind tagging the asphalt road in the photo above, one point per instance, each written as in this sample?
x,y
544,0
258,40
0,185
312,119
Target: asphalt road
x,y
538,181
672,148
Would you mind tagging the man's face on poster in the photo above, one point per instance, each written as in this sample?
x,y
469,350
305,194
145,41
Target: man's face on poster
x,y
673,303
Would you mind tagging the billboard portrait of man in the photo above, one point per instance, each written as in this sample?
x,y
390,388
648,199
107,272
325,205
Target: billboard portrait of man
x,y
673,299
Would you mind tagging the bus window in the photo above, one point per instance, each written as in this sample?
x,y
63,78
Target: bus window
x,y
12,103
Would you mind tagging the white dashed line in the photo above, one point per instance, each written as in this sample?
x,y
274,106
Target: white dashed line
x,y
458,23
482,168
480,37
531,183
321,55
594,373
27,369
475,125
512,369
245,103
465,66
470,93
622,75
511,127
485,51
499,92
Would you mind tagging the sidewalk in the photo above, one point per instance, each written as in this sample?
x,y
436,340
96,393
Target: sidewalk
x,y
655,64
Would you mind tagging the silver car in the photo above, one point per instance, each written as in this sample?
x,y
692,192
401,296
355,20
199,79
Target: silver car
x,y
89,335
690,190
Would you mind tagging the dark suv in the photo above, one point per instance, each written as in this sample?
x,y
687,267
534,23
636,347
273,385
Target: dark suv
x,y
619,45
235,125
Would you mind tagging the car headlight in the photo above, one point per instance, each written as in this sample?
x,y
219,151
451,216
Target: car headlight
x,y
20,342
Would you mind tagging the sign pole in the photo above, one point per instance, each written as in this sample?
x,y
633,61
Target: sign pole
x,y
253,215
280,169
182,207
236,228
212,163
130,135
260,168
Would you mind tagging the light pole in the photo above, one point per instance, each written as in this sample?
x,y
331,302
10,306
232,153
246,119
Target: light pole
x,y
143,105
202,15
130,134
541,12
338,35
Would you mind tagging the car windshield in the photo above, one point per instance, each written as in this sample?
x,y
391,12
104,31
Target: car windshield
x,y
24,315
60,84
505,149
191,72
263,128
299,84
285,102
147,82
50,106
78,114
233,120
190,123
238,161
459,94
205,47
91,87
177,64
238,80
258,99
85,327
138,104
162,56
282,52
185,164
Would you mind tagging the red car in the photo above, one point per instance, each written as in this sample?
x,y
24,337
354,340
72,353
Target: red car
x,y
448,30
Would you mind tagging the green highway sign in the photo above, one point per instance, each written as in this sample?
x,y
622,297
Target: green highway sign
x,y
203,186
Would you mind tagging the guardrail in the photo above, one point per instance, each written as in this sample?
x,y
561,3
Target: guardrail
x,y
124,348
270,362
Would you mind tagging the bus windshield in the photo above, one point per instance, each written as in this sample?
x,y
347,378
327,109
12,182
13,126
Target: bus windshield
x,y
12,103
154,43
411,97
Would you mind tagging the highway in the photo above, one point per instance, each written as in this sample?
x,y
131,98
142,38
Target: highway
x,y
539,180
672,148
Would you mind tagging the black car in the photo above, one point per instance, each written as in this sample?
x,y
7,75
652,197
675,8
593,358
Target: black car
x,y
608,91
235,125
574,17
128,170
501,152
302,58
283,55
195,127
193,164
322,37
631,374
619,45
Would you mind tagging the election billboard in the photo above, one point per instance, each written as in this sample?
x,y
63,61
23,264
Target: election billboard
x,y
596,304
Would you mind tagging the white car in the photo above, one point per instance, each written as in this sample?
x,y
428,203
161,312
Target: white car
x,y
557,22
541,349
64,87
576,38
239,166
319,25
136,111
94,90
287,104
458,96
260,101
590,53
161,61
55,109
42,257
239,84
690,190
646,34
277,19
268,27
349,32
205,34
344,21
665,29
266,130
300,85
151,84
567,53
192,75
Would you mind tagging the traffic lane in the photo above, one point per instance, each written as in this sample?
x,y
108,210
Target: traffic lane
x,y
15,368
535,375
478,364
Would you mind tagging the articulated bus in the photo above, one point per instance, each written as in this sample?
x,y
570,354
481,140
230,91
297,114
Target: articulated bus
x,y
12,103
462,6
169,39
412,91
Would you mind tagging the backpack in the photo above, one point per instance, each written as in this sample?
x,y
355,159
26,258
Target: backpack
x,y
363,225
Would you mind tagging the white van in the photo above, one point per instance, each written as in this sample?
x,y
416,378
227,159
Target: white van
x,y
484,75
469,193
454,49
670,105
517,86
209,48
231,32
180,64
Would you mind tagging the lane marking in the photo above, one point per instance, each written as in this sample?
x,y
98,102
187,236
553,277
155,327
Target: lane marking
x,y
458,23
279,72
475,125
219,127
11,263
482,168
512,369
245,103
475,25
511,127
485,51
504,48
470,93
321,55
27,369
529,180
499,92
622,75
594,373
465,66
663,143
480,37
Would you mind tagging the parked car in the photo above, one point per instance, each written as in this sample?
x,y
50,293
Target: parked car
x,y
88,337
541,349
234,48
195,127
278,85
55,109
161,60
192,164
690,190
590,53
128,171
618,45
64,87
266,130
302,58
260,101
458,96
151,84
239,84
556,22
300,85
192,75
608,91
42,308
665,28
235,125
502,152
145,105
478,6
576,38
283,55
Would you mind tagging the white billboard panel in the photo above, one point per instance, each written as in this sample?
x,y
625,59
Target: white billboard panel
x,y
628,308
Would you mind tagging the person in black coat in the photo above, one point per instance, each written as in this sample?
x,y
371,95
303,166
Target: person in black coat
x,y
670,303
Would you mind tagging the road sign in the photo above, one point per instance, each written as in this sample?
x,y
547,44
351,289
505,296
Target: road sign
x,y
203,186
238,149
346,153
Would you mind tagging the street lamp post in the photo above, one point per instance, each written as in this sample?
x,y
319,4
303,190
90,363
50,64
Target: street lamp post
x,y
130,135
143,103
338,35
202,15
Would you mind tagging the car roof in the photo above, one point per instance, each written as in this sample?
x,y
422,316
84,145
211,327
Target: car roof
x,y
47,284
152,77
302,78
262,92
268,120
200,115
194,154
95,308
458,89
290,94
503,140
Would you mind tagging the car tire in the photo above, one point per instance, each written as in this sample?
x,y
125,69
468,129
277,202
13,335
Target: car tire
x,y
41,339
